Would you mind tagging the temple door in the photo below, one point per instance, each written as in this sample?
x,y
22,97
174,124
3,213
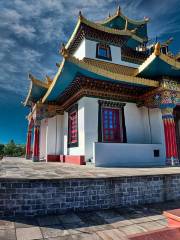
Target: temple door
x,y
177,123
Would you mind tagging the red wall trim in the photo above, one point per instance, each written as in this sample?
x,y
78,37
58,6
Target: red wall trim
x,y
79,160
53,158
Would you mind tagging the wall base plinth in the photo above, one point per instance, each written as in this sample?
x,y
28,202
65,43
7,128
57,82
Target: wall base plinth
x,y
79,159
53,158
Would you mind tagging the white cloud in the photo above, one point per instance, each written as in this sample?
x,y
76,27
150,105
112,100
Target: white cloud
x,y
24,31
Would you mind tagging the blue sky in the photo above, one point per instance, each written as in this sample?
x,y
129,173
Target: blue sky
x,y
31,32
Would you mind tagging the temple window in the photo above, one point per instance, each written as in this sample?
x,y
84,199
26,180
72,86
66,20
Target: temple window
x,y
103,51
111,122
73,127
164,49
111,125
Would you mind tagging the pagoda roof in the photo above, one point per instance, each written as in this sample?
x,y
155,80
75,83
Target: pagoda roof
x,y
119,14
120,21
132,33
72,67
159,64
37,90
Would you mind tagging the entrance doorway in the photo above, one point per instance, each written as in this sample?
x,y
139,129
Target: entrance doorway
x,y
177,124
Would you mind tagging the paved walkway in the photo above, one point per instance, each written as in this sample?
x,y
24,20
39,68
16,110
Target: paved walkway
x,y
22,168
115,224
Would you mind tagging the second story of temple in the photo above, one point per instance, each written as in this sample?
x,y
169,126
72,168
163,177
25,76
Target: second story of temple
x,y
117,39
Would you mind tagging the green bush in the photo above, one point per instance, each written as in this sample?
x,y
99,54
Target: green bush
x,y
12,150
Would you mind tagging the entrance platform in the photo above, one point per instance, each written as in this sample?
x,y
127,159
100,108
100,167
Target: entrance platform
x,y
30,189
21,168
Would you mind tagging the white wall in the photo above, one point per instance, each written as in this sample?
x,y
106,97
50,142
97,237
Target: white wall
x,y
80,53
127,155
54,135
65,133
134,123
157,128
91,125
87,49
143,126
43,129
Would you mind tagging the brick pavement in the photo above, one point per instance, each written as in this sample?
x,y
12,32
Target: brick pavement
x,y
115,224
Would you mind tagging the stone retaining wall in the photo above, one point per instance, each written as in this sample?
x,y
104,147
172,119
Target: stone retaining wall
x,y
38,197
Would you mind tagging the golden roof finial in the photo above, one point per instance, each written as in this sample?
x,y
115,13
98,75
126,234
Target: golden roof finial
x,y
64,52
80,15
31,77
157,49
119,10
146,19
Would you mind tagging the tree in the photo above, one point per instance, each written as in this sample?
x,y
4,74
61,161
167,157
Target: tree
x,y
13,150
1,149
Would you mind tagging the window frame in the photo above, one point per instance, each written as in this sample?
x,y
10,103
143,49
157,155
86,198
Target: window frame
x,y
107,48
115,111
122,128
71,111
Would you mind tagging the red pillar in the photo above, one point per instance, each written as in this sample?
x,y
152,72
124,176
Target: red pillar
x,y
170,140
28,143
36,143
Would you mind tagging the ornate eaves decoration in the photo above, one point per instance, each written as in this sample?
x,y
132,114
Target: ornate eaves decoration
x,y
163,97
41,111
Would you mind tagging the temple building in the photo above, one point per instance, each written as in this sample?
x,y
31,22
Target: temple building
x,y
114,101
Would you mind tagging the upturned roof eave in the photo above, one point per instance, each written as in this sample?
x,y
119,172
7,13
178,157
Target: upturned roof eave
x,y
153,57
102,74
34,82
25,103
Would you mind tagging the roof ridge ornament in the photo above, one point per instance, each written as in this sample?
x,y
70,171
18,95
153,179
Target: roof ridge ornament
x,y
157,49
134,30
146,19
64,52
118,11
48,80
